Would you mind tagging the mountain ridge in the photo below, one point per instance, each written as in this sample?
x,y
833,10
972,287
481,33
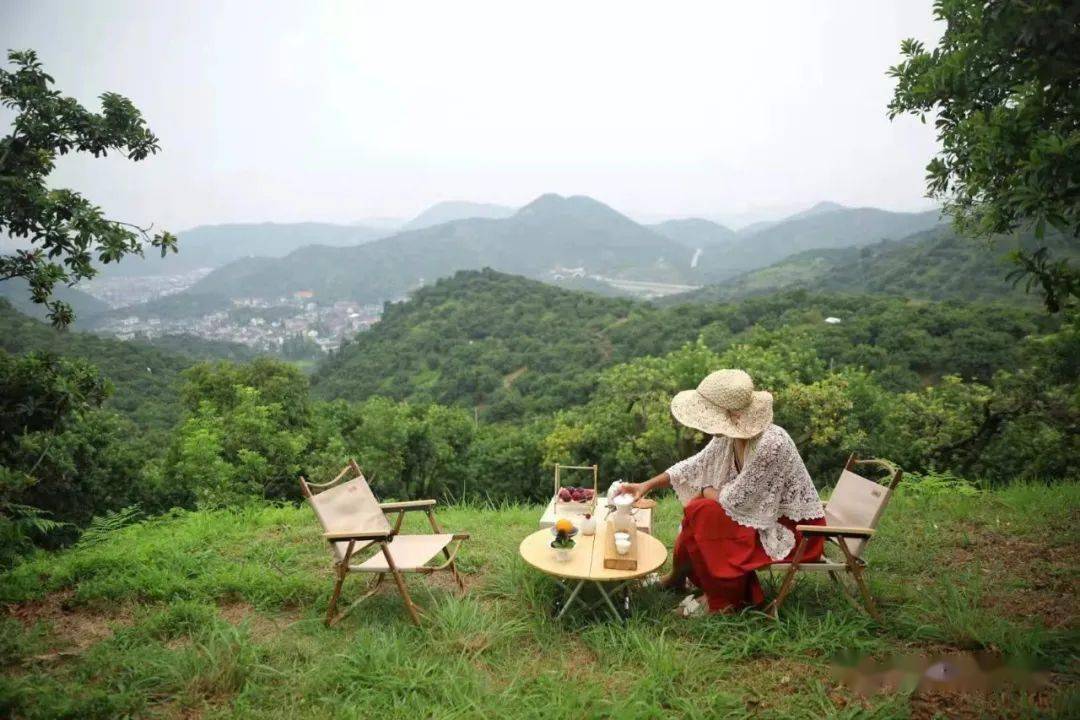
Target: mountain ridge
x,y
452,210
217,245
548,233
934,264
847,227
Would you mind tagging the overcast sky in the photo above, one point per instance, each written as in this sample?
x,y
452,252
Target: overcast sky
x,y
291,111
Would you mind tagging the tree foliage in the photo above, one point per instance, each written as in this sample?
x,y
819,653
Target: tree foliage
x,y
977,391
1004,83
60,458
513,348
66,232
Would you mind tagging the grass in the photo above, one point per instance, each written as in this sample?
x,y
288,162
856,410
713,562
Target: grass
x,y
218,614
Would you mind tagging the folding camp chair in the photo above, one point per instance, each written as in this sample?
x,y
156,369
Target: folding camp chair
x,y
352,519
851,518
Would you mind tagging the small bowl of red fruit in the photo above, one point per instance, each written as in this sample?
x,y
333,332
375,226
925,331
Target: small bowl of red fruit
x,y
577,495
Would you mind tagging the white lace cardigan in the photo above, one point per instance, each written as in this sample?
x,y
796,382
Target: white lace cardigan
x,y
774,483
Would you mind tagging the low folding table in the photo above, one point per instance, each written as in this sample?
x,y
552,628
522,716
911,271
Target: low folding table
x,y
586,565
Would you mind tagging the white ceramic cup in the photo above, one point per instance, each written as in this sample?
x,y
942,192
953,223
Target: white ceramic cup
x,y
622,546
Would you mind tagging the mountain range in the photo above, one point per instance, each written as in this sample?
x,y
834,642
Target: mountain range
x,y
575,240
824,226
211,246
549,233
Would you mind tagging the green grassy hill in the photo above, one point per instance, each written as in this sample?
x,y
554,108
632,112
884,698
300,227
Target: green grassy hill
x,y
218,614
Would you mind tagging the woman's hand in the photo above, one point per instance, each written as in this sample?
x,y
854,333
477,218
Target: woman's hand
x,y
711,493
638,490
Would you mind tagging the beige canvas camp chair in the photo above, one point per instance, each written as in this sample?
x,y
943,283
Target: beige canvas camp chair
x,y
851,518
352,520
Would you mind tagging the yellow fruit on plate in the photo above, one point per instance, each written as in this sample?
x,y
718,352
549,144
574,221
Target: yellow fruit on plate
x,y
563,525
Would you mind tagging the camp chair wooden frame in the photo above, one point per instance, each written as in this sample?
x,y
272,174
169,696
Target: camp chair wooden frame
x,y
851,519
353,519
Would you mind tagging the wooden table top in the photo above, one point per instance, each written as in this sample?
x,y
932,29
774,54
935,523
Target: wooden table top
x,y
587,558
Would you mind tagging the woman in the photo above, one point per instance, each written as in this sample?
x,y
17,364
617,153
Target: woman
x,y
742,495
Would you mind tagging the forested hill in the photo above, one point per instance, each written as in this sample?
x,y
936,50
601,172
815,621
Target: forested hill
x,y
932,265
514,347
482,337
146,377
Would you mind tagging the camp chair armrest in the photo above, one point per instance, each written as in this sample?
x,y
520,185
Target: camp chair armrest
x,y
406,505
461,536
835,531
337,536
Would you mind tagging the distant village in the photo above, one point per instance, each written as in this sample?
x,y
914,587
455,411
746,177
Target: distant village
x,y
296,323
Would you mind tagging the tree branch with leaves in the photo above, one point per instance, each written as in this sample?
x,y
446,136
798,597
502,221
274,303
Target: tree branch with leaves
x,y
66,232
1004,83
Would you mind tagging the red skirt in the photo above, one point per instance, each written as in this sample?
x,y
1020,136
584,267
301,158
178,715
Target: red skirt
x,y
721,555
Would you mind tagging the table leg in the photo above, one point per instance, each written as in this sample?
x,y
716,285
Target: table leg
x,y
570,600
607,599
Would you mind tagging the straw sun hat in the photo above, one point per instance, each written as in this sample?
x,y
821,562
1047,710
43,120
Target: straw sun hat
x,y
725,403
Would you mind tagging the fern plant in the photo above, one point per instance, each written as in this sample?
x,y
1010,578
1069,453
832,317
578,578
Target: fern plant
x,y
20,525
102,527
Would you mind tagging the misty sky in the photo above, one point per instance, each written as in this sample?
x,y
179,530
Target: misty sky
x,y
290,111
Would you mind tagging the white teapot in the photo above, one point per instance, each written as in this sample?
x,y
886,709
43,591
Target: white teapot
x,y
623,519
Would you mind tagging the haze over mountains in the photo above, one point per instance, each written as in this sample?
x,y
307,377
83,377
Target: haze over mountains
x,y
455,210
548,233
211,246
934,264
554,238
696,232
823,226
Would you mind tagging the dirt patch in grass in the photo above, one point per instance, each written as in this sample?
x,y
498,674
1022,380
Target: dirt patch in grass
x,y
437,581
261,624
176,710
1050,586
72,628
975,706
768,683
969,694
